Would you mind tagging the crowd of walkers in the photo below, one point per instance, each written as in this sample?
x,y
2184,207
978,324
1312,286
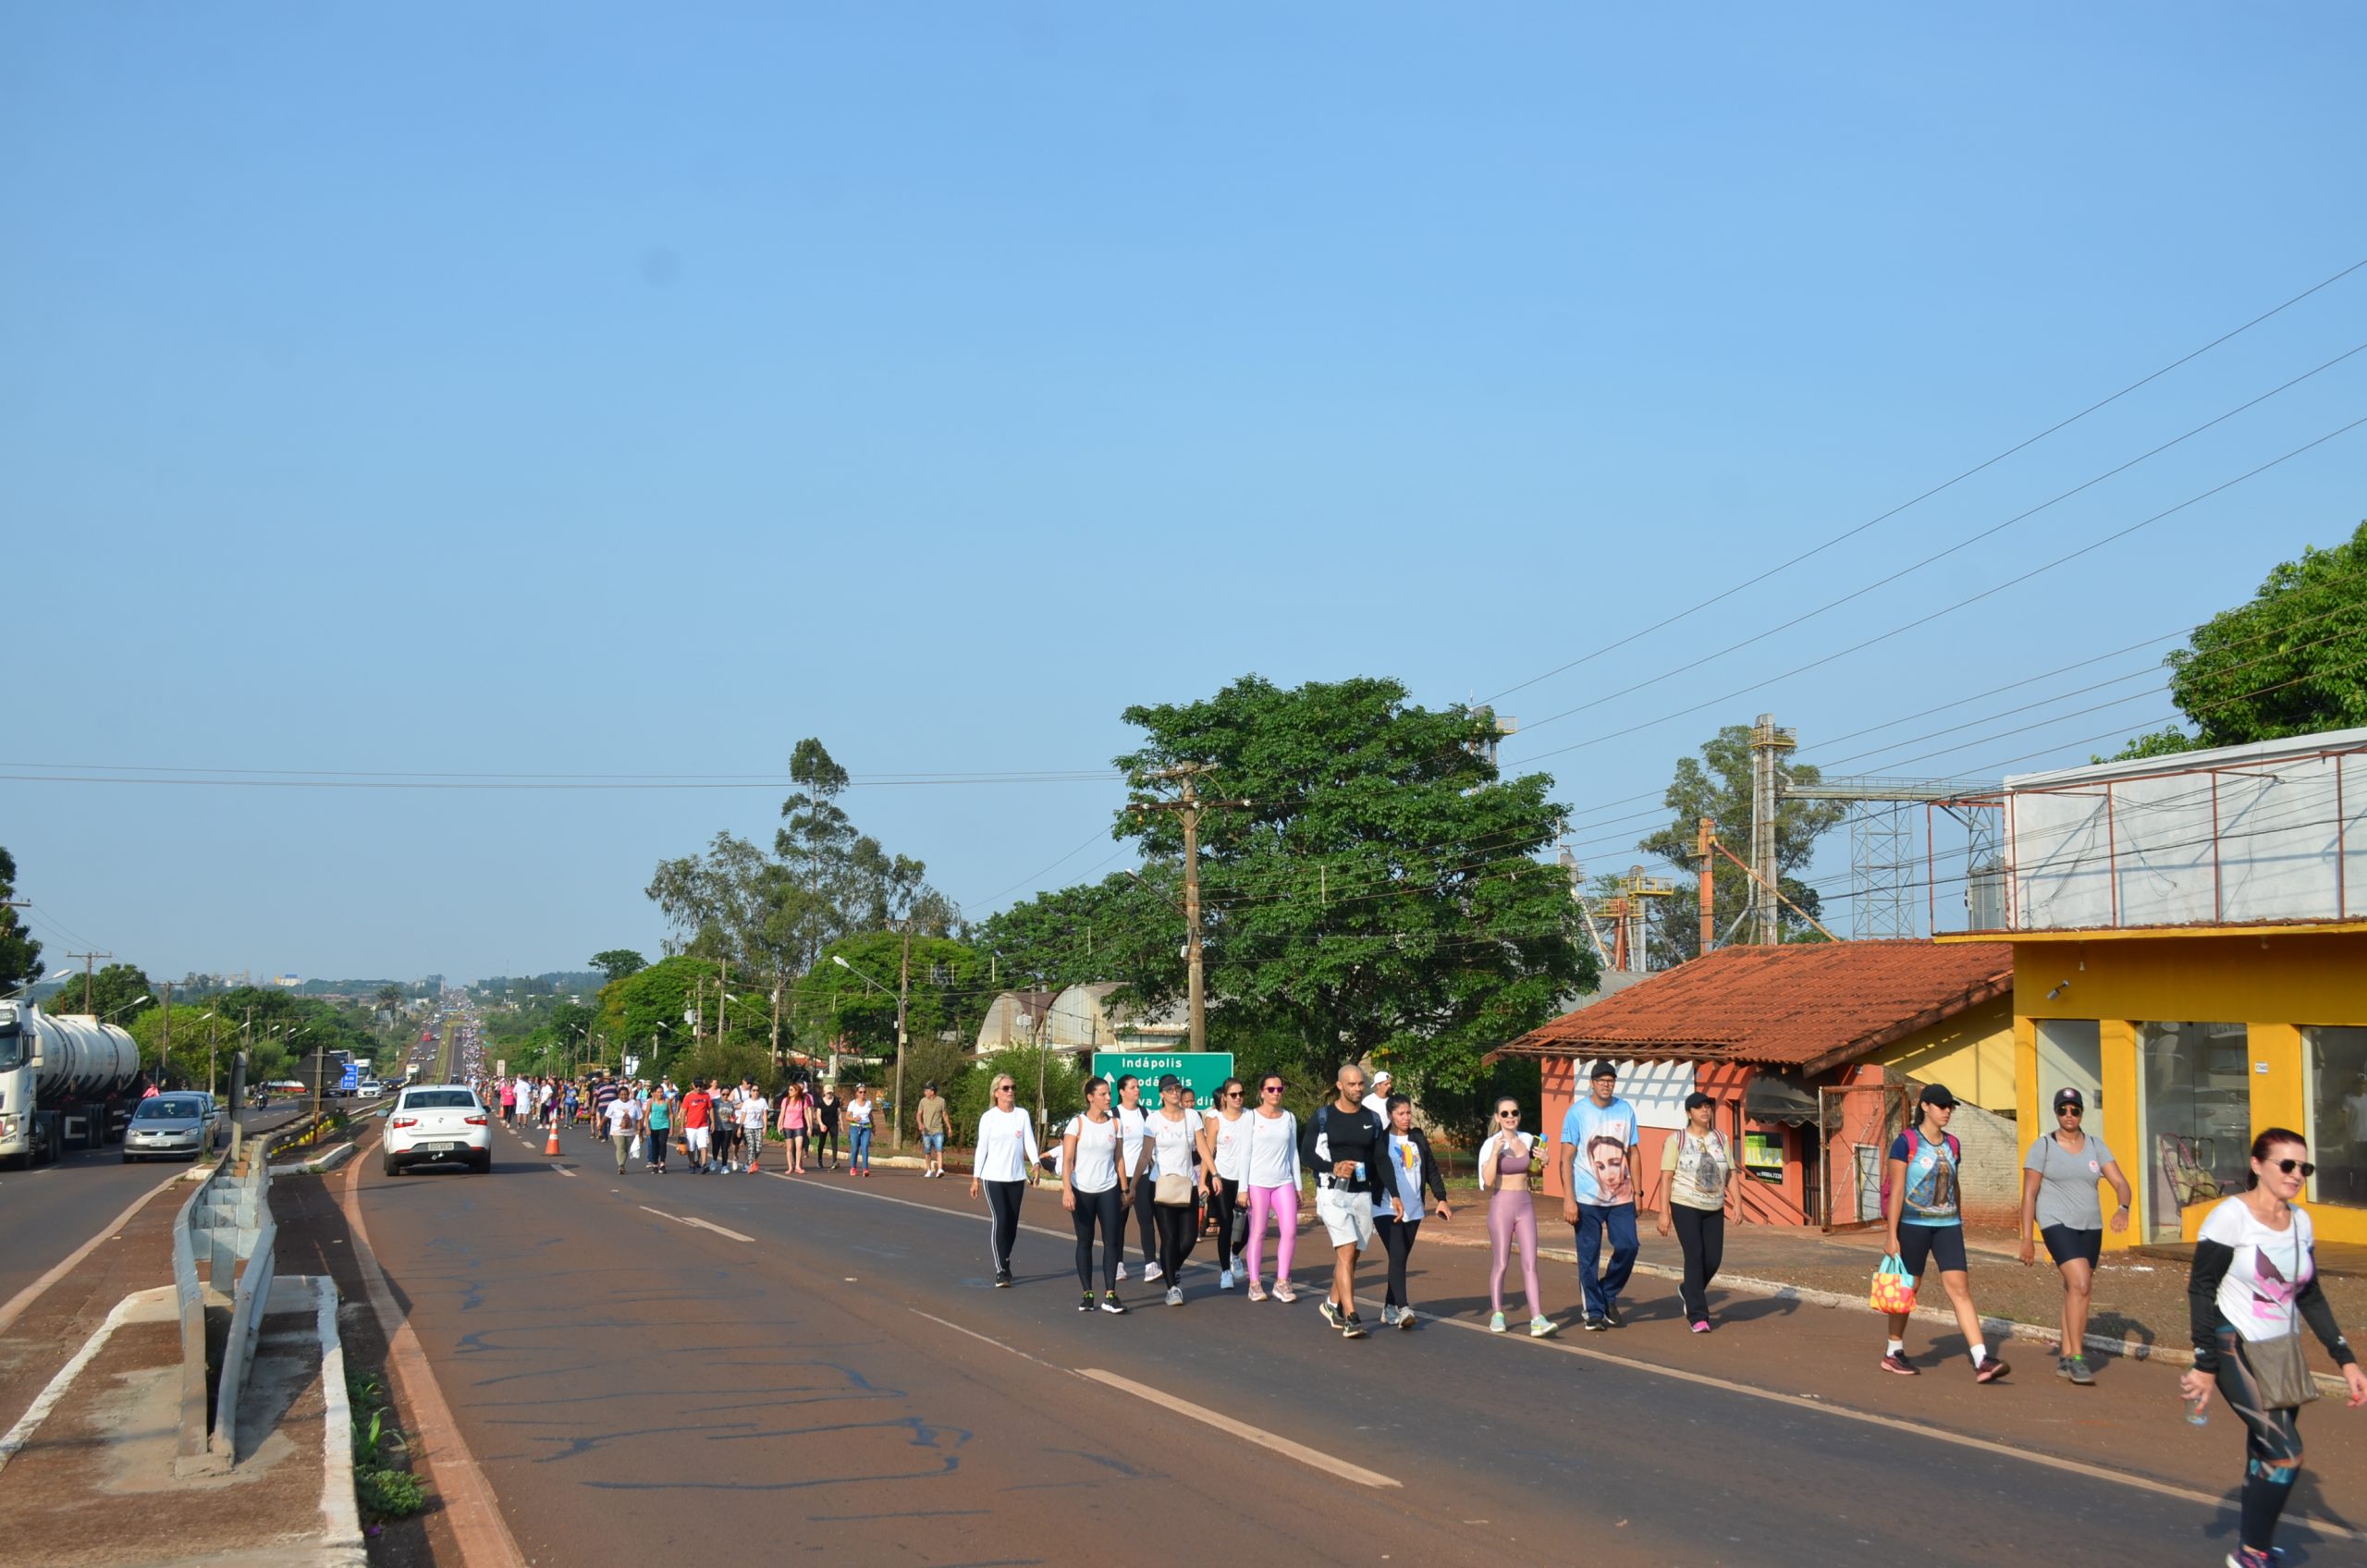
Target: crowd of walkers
x,y
1172,1172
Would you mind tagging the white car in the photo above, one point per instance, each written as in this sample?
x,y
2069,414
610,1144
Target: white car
x,y
434,1123
368,1089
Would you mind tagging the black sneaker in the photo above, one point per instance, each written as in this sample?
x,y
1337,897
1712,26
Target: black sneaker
x,y
1595,1325
1611,1316
1087,1305
1351,1327
1003,1279
1110,1304
2076,1368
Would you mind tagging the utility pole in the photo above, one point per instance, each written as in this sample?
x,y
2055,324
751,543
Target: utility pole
x,y
776,1061
903,999
164,1055
1188,808
1708,830
89,961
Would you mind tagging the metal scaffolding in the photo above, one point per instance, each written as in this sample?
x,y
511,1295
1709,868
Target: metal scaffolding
x,y
1882,862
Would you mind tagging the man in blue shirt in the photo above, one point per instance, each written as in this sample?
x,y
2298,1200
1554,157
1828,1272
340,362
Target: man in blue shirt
x,y
1597,1155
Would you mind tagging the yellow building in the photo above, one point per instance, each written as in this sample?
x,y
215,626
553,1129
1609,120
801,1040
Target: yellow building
x,y
2190,951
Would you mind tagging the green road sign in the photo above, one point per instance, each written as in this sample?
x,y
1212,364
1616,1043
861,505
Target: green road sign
x,y
1200,1070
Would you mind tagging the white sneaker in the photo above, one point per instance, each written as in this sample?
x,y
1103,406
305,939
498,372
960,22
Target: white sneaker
x,y
1224,1280
1150,1272
1174,1296
1122,1272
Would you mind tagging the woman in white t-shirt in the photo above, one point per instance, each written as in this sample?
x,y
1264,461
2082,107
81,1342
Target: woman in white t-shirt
x,y
1273,1187
1697,1177
1224,1162
1004,1163
859,1133
2253,1284
1174,1136
1093,1185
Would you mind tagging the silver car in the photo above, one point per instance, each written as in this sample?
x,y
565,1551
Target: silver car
x,y
178,1125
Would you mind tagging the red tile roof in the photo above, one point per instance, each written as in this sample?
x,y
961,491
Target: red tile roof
x,y
1808,1005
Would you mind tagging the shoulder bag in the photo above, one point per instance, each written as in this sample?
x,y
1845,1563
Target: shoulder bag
x,y
2280,1366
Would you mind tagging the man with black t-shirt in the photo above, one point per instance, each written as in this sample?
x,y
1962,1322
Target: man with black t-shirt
x,y
1342,1143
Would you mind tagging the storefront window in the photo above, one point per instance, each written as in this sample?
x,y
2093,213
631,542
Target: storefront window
x,y
2195,1117
2070,1056
2338,1129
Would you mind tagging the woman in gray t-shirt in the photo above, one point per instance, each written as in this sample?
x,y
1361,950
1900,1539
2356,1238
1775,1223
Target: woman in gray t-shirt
x,y
2059,1208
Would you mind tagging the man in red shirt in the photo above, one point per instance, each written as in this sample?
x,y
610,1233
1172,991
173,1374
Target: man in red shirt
x,y
698,1126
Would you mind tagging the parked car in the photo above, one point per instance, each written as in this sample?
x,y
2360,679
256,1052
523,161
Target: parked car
x,y
437,1123
177,1125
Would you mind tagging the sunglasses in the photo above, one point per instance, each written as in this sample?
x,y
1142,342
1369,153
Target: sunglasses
x,y
1233,1094
1272,1089
2068,1110
1501,1114
2290,1165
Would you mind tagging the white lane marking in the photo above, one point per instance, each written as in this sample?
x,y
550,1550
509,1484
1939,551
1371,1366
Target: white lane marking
x,y
2213,1501
983,1339
562,1169
1314,1458
702,1224
31,1293
21,1433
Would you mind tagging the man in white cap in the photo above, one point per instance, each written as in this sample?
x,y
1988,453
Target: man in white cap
x,y
1378,1101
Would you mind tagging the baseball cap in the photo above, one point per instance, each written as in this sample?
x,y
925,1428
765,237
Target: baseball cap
x,y
1382,1075
1939,1095
1168,1081
2070,1097
1603,1070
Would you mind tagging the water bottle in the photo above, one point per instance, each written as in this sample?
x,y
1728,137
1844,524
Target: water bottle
x,y
2195,1416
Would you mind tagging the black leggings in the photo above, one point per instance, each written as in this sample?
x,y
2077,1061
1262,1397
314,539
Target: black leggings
x,y
1702,1234
1146,1188
825,1147
1004,1197
1100,1208
656,1148
2272,1445
1222,1205
1397,1239
1177,1233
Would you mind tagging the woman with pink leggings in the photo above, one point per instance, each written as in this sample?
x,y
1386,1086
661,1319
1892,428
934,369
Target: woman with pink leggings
x,y
1505,1161
1273,1188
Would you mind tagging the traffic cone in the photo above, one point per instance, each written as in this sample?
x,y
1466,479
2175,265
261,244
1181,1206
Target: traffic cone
x,y
551,1146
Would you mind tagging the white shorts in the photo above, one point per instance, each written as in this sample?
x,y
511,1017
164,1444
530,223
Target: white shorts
x,y
695,1139
1347,1216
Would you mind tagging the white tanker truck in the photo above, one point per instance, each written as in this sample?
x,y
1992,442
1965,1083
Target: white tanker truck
x,y
65,1083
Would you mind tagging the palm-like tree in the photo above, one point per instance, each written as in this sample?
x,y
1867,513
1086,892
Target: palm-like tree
x,y
389,998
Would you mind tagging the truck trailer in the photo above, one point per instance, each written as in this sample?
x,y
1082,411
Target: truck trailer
x,y
65,1083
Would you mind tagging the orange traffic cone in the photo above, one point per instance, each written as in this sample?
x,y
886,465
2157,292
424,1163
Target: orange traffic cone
x,y
551,1146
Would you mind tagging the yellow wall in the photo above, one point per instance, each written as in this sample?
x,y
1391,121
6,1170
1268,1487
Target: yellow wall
x,y
1972,1053
2275,983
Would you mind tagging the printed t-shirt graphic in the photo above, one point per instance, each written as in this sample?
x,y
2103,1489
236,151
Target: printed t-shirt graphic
x,y
1930,1180
1601,1134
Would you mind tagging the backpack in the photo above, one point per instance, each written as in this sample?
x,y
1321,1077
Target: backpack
x,y
1955,1153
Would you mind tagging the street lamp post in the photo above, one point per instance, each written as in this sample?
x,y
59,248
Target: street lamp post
x,y
900,994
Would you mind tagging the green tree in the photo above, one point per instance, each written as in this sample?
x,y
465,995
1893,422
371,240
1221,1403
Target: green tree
x,y
1378,895
107,994
389,1000
19,952
1717,785
618,963
857,1004
2290,661
1088,933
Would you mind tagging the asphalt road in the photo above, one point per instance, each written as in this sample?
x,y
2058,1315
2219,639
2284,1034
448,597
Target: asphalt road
x,y
816,1368
45,1213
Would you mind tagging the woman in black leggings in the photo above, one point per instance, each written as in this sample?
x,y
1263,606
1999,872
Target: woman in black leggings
x,y
1397,1205
1224,1163
2254,1285
1093,1189
1003,1162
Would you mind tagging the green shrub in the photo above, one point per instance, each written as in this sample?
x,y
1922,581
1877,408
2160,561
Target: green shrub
x,y
388,1494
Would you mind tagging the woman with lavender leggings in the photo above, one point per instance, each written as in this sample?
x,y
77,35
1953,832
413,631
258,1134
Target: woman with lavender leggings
x,y
1273,1188
1504,1162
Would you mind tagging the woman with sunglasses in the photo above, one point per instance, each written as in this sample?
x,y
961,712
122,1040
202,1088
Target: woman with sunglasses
x,y
1093,1189
2059,1208
1224,1161
1397,1206
1697,1177
2254,1282
1505,1160
1273,1187
1173,1133
1004,1162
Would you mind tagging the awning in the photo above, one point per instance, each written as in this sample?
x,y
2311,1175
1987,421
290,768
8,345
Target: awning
x,y
1774,1097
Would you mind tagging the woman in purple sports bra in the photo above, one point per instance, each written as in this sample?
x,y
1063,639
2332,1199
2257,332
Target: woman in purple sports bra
x,y
1504,1162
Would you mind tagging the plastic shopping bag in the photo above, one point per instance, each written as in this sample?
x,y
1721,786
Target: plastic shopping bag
x,y
1894,1286
634,1153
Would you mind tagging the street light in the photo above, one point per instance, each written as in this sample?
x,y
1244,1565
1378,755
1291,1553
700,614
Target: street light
x,y
896,1103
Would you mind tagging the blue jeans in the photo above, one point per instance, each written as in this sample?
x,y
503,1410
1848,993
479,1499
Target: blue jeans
x,y
859,1157
1593,1220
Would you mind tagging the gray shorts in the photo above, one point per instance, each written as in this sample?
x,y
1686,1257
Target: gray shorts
x,y
1347,1217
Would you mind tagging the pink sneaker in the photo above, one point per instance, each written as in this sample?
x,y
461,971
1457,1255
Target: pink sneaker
x,y
1283,1293
1703,1326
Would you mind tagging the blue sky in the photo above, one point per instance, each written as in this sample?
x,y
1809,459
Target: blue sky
x,y
577,389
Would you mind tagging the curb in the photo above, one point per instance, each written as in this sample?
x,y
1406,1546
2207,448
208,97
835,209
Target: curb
x,y
2003,1327
318,1163
342,1545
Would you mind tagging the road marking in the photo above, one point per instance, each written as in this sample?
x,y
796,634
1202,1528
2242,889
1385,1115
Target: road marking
x,y
562,1169
31,1293
2213,1501
1315,1458
27,1424
983,1340
477,1527
702,1224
